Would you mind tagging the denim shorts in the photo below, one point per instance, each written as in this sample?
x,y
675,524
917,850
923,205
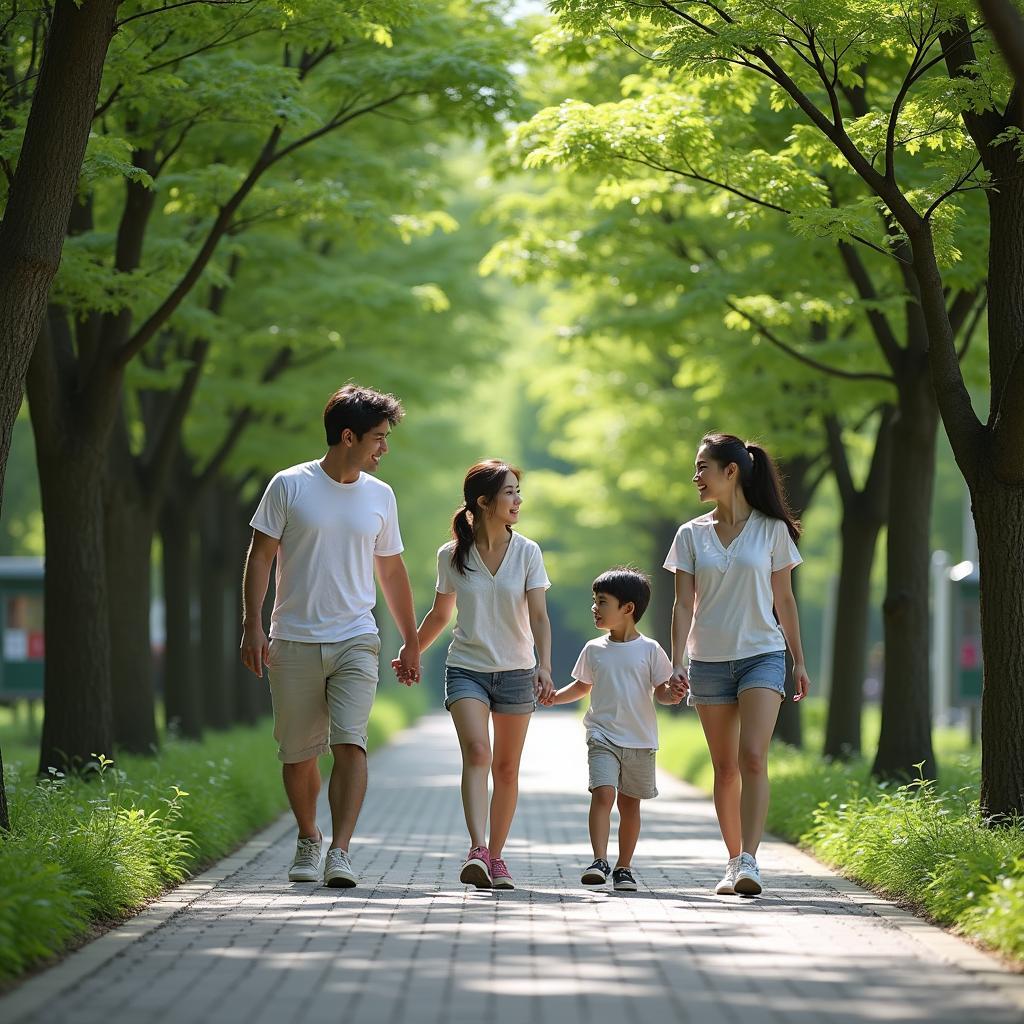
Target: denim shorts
x,y
505,693
721,682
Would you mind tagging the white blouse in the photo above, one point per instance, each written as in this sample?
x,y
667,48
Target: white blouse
x,y
732,612
492,632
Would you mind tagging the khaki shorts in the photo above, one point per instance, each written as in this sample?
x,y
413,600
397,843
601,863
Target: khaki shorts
x,y
321,693
630,770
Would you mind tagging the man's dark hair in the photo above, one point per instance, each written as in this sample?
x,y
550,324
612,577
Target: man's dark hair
x,y
625,583
359,410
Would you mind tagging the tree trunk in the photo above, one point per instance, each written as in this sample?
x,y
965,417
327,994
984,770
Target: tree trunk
x,y
849,652
129,529
183,698
999,517
216,675
998,502
45,184
906,735
78,718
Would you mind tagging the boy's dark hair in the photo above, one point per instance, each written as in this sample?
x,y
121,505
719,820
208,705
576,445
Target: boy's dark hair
x,y
626,583
359,410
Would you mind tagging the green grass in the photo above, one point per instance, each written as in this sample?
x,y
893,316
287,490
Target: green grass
x,y
85,852
922,844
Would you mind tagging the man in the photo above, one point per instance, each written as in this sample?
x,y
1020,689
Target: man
x,y
331,525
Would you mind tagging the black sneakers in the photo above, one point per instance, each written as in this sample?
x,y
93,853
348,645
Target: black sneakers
x,y
623,880
597,873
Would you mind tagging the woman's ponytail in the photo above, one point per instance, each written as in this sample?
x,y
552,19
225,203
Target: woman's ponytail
x,y
764,491
462,534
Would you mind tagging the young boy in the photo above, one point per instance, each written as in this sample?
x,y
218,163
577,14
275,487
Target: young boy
x,y
620,671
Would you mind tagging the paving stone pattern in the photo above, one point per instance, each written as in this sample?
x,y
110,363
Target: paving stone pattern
x,y
411,944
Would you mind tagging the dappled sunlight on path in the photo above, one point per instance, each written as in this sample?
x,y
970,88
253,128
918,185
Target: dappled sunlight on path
x,y
412,944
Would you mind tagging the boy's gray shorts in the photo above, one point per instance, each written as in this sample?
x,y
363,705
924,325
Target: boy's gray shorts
x,y
630,770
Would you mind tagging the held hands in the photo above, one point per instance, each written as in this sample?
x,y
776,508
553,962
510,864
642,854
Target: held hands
x,y
254,649
544,687
407,666
678,686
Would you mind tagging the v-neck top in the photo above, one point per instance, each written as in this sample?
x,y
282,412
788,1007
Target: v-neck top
x,y
492,631
732,612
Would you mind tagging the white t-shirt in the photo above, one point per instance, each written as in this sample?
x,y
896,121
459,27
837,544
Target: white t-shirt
x,y
623,676
732,613
492,632
329,534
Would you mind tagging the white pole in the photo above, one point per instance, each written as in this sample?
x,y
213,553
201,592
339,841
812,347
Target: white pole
x,y
828,637
941,649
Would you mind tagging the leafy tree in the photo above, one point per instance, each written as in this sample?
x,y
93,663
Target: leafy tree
x,y
858,88
172,84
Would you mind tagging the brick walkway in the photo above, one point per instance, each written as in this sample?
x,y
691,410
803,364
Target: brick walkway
x,y
411,944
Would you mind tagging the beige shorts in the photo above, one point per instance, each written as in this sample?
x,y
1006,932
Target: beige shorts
x,y
630,770
322,694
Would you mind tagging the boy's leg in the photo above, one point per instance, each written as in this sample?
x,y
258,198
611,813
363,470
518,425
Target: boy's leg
x,y
351,668
605,770
601,800
629,828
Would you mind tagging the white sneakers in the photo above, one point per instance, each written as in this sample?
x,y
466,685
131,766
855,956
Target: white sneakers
x,y
338,873
742,877
306,865
748,877
727,886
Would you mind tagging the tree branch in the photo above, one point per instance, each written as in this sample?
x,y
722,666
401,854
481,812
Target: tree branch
x,y
880,326
800,357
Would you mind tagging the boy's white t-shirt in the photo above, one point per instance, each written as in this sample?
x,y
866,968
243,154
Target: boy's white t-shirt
x,y
329,533
623,676
732,613
492,632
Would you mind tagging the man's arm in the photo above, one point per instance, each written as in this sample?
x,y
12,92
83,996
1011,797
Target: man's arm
x,y
393,578
255,580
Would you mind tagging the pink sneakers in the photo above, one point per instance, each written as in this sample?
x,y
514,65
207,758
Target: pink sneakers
x,y
477,869
500,877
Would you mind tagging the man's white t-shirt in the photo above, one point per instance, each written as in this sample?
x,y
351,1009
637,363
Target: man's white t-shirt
x,y
623,676
492,632
732,613
329,533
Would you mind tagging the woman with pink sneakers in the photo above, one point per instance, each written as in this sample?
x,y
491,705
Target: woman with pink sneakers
x,y
496,579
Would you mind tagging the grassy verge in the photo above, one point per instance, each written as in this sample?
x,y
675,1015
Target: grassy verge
x,y
81,853
922,844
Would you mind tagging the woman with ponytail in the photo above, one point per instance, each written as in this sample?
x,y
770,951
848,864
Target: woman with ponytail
x,y
493,677
732,566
